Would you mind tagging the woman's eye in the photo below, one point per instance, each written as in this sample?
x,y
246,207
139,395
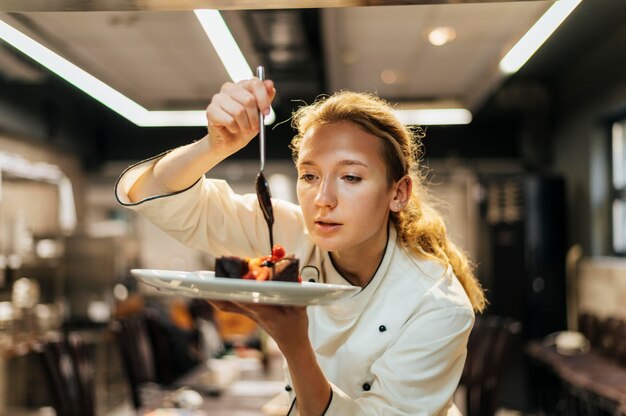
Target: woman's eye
x,y
307,177
351,178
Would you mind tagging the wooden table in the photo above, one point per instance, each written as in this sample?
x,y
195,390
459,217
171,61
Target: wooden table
x,y
591,374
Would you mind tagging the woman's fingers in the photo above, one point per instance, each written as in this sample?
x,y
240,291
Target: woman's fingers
x,y
225,111
218,117
239,111
236,107
227,306
264,93
263,312
248,103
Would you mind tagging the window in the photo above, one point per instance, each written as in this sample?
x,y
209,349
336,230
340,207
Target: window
x,y
619,186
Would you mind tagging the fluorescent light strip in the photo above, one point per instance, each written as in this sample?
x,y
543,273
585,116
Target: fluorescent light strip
x,y
70,72
432,117
537,35
97,89
228,51
224,44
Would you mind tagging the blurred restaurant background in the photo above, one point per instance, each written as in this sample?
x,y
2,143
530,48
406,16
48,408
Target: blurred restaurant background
x,y
527,151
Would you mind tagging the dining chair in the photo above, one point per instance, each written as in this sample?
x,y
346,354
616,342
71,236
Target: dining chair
x,y
137,353
69,375
153,353
589,325
611,337
489,345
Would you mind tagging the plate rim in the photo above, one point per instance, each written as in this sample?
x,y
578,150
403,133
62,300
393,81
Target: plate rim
x,y
330,293
235,280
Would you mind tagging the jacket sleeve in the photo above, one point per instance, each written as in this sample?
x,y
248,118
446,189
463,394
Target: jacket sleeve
x,y
210,217
418,374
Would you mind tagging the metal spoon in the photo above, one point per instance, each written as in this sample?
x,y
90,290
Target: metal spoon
x,y
262,187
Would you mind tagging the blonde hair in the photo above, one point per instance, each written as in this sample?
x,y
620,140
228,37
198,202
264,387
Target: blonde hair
x,y
420,226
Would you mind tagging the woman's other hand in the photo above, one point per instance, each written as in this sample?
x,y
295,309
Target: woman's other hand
x,y
233,114
287,325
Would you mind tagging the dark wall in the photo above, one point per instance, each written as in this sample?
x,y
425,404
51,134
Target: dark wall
x,y
564,100
49,113
590,97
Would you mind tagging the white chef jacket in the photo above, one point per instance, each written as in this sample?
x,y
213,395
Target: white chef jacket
x,y
397,347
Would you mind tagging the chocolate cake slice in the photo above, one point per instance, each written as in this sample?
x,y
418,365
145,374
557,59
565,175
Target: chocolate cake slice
x,y
277,267
286,270
231,266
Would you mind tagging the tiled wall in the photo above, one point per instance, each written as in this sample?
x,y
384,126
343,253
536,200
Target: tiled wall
x,y
602,286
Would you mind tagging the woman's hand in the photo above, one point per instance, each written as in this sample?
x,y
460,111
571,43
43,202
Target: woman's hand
x,y
233,114
287,325
233,120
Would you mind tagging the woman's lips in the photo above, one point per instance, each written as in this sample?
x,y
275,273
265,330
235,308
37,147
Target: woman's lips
x,y
327,227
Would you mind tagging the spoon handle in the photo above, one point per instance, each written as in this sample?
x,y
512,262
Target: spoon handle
x,y
260,73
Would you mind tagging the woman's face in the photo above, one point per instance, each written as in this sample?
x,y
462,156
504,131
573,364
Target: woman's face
x,y
343,188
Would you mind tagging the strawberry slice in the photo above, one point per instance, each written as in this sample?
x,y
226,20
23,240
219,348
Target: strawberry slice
x,y
278,252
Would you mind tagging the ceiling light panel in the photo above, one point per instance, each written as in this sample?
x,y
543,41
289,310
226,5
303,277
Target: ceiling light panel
x,y
113,98
140,56
537,35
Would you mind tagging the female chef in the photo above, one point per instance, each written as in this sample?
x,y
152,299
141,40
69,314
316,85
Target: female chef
x,y
364,218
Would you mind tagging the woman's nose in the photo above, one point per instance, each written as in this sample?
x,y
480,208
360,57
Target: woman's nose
x,y
325,196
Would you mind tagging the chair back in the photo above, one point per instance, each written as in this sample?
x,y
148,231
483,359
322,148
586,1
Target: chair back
x,y
152,351
489,346
611,337
161,341
137,353
607,336
69,375
589,325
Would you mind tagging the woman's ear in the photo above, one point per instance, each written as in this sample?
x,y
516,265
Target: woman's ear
x,y
402,193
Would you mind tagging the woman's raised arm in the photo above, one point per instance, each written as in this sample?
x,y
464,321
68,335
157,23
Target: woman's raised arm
x,y
232,121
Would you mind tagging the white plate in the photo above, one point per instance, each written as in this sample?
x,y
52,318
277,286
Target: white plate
x,y
204,284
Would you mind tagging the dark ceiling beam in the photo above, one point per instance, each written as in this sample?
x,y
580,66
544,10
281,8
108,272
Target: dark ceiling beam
x,y
154,5
289,44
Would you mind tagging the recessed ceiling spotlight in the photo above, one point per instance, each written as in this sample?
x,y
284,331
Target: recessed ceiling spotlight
x,y
439,36
389,76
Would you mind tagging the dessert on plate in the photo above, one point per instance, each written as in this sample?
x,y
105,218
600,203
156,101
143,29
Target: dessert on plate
x,y
278,267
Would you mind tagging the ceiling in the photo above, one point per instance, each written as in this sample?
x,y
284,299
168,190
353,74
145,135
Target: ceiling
x,y
164,60
155,52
